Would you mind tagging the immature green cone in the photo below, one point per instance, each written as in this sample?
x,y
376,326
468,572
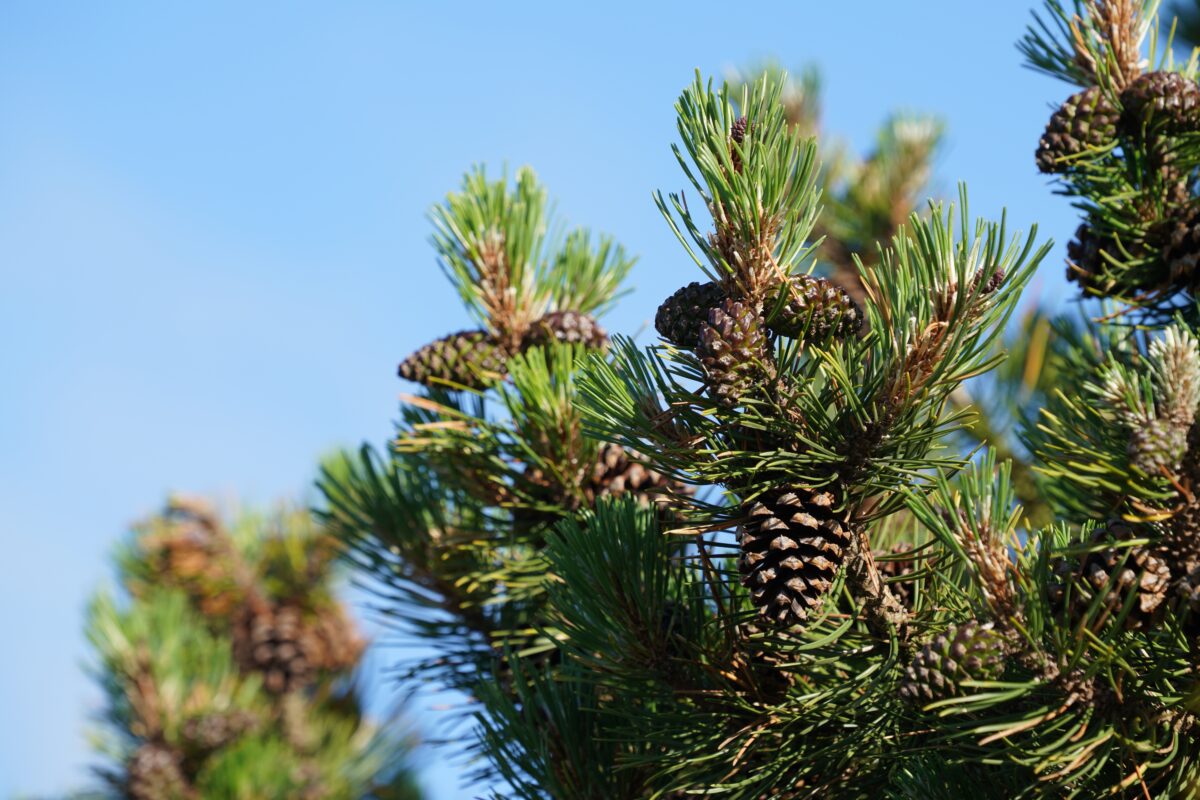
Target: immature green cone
x,y
1086,120
568,327
1156,445
815,310
1167,101
683,314
155,772
793,543
970,651
734,351
471,359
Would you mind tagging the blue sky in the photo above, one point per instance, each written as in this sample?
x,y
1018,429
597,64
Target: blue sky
x,y
213,248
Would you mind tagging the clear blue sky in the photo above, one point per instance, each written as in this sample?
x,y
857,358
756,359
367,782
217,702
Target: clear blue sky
x,y
213,245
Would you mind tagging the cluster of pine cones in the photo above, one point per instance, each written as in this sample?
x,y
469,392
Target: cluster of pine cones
x,y
1147,579
476,359
289,640
792,540
1158,247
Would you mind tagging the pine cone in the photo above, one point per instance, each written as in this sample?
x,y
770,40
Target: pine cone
x,y
276,643
1085,256
1156,445
737,133
793,543
1167,101
195,555
211,732
1182,252
1135,569
683,314
569,327
733,349
1086,120
471,359
816,308
615,474
155,772
971,651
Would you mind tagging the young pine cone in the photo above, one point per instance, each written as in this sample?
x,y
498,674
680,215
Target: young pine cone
x,y
568,327
467,359
1086,120
734,352
683,314
1167,101
816,309
971,651
155,772
793,543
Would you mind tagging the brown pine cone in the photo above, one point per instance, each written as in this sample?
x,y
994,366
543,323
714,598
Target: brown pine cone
x,y
1166,101
1086,120
734,352
568,327
793,543
683,314
467,359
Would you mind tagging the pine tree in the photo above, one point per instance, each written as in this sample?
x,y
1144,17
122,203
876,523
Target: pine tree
x,y
852,602
229,672
453,522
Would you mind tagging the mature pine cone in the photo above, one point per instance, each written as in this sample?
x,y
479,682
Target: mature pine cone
x,y
1182,252
1166,100
472,359
569,327
277,643
1086,120
155,772
615,474
793,543
970,651
1085,255
734,351
816,309
1135,569
683,314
